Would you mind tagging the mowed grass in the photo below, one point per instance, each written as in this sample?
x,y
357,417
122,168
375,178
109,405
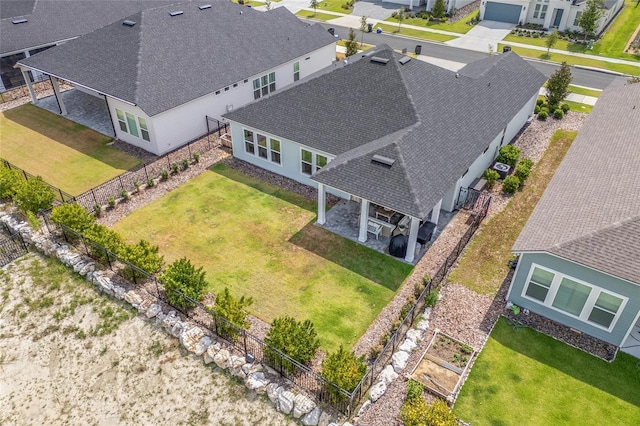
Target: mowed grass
x,y
574,60
316,15
67,155
578,90
619,33
411,32
260,241
484,264
523,377
460,26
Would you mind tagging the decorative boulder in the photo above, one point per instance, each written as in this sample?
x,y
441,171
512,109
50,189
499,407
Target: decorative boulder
x,y
153,310
303,405
388,375
222,358
414,335
364,407
285,402
273,392
377,391
312,418
132,298
211,352
190,337
325,419
257,382
399,360
408,345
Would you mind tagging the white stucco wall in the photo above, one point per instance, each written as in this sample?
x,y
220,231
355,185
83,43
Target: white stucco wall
x,y
291,157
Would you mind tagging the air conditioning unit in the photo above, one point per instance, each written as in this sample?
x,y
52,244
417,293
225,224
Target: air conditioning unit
x,y
502,169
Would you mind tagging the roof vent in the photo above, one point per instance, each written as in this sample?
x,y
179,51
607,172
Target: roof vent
x,y
379,60
176,13
404,60
19,21
128,23
381,159
204,6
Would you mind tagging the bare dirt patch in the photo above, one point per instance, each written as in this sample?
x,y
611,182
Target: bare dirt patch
x,y
70,355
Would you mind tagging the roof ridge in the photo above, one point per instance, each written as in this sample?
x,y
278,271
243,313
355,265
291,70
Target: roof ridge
x,y
595,233
139,55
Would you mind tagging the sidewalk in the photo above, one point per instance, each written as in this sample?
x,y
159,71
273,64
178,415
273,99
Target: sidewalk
x,y
478,38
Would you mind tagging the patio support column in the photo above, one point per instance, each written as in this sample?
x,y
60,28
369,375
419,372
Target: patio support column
x,y
322,201
27,79
413,239
56,90
435,213
364,218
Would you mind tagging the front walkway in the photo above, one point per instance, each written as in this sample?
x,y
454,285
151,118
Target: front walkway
x,y
342,219
483,35
82,108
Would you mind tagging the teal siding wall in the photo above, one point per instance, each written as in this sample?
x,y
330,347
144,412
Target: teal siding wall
x,y
621,287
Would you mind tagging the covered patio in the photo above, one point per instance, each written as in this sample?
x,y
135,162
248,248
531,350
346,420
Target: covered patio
x,y
344,219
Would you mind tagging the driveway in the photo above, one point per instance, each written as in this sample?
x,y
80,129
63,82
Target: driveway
x,y
483,35
374,9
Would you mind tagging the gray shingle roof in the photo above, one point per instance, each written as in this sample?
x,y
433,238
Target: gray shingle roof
x,y
590,212
50,21
431,122
164,61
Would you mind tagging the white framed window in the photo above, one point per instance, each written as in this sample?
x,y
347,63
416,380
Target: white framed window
x,y
249,144
543,13
121,121
264,85
575,21
536,11
263,150
144,130
311,162
133,127
296,71
276,154
587,302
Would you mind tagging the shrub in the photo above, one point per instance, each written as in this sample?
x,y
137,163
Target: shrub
x,y
431,298
234,310
97,210
183,283
151,183
565,108
523,169
9,181
164,174
33,195
136,185
416,412
344,369
405,310
124,194
196,157
174,168
509,154
491,176
543,115
142,255
296,339
73,216
185,164
374,352
510,185
100,237
111,201
558,114
536,109
415,390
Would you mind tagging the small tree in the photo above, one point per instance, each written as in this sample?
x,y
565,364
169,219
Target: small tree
x,y
314,5
364,25
33,195
183,283
558,86
344,369
100,238
73,216
234,310
10,179
296,339
400,17
439,9
142,255
351,44
588,19
551,40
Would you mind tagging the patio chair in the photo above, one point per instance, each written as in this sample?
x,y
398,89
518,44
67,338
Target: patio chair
x,y
374,228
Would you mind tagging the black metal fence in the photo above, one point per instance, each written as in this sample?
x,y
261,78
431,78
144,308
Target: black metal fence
x,y
12,246
321,389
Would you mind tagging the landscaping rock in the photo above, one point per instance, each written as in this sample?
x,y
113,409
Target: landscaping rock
x,y
312,418
178,328
399,360
414,335
285,402
235,366
119,292
273,392
257,381
423,325
222,358
190,337
211,352
302,405
377,391
364,407
408,345
325,419
388,375
153,310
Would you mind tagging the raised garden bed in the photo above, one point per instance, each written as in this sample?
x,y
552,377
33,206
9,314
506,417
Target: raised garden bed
x,y
443,366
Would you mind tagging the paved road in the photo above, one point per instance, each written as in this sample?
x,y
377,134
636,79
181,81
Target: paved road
x,y
581,77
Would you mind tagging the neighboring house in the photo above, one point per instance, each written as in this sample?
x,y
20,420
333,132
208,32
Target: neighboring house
x,y
428,4
163,71
30,26
580,249
382,128
560,14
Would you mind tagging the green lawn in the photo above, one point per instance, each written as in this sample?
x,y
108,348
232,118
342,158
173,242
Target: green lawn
x,y
575,106
560,44
410,32
66,154
260,241
584,91
522,377
332,6
574,60
618,34
460,26
315,15
484,263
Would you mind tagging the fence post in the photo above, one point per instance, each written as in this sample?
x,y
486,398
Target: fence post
x,y
121,184
244,334
144,166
